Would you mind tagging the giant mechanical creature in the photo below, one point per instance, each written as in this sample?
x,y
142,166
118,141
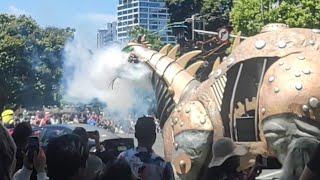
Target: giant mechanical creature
x,y
264,95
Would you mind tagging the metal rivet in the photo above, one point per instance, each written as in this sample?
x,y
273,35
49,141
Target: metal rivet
x,y
301,57
298,74
281,63
179,109
298,86
282,44
176,146
311,42
276,89
192,102
305,108
271,78
263,110
188,110
314,102
224,58
288,68
316,31
175,120
172,124
230,62
182,163
202,121
181,123
306,71
260,44
218,73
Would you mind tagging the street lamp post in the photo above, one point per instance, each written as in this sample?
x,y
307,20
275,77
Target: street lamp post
x,y
262,10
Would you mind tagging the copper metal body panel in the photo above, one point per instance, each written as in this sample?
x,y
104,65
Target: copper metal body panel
x,y
163,64
291,85
180,81
155,58
171,72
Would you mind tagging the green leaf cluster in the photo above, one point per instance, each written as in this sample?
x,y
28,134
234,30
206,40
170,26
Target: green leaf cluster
x,y
152,38
215,12
30,61
246,15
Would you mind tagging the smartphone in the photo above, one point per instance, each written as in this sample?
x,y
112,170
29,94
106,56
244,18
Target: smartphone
x,y
33,147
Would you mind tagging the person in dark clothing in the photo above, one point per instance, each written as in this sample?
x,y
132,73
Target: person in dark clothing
x,y
66,155
7,154
226,160
20,136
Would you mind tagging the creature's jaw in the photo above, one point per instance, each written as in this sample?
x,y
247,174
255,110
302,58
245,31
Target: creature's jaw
x,y
281,131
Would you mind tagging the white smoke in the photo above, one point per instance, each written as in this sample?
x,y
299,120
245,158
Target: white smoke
x,y
89,74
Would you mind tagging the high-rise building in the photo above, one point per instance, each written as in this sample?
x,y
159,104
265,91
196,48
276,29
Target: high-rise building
x,y
149,14
107,34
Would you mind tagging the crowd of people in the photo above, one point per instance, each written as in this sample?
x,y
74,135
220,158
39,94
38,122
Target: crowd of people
x,y
43,118
67,157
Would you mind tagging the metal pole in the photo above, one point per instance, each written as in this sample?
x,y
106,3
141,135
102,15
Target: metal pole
x,y
215,33
193,25
262,11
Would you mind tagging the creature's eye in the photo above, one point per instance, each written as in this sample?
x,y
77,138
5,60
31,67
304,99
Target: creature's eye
x,y
127,49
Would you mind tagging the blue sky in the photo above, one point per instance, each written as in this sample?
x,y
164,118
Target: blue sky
x,y
84,15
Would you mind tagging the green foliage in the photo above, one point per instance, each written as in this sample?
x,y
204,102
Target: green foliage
x,y
182,9
216,13
30,61
152,38
246,15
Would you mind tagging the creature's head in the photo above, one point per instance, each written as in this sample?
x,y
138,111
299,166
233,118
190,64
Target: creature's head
x,y
135,47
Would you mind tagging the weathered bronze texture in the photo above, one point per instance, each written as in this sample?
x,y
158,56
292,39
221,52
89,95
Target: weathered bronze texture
x,y
288,84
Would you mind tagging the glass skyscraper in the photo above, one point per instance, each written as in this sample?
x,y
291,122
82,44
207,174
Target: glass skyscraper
x,y
149,14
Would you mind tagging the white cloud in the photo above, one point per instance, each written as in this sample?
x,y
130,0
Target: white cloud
x,y
16,11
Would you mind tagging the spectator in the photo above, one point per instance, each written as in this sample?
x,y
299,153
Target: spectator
x,y
8,118
20,136
94,163
7,154
66,157
226,160
145,164
117,170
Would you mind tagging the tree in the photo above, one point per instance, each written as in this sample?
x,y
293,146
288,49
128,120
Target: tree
x,y
216,13
246,16
179,10
30,61
152,38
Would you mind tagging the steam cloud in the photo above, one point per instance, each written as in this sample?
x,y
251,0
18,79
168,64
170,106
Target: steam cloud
x,y
88,75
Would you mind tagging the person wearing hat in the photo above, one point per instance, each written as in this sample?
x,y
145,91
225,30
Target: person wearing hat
x,y
226,160
8,118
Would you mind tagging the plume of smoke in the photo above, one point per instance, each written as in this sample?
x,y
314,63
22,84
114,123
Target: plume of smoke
x,y
88,75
